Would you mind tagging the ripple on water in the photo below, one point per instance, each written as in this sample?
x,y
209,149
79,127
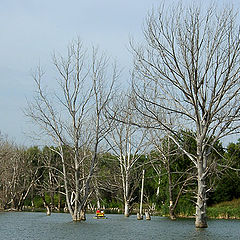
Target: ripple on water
x,y
38,226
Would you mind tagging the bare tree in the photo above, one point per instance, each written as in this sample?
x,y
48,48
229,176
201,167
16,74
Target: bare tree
x,y
73,118
129,144
17,176
190,68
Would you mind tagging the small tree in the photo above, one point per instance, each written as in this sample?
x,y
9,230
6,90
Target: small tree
x,y
128,144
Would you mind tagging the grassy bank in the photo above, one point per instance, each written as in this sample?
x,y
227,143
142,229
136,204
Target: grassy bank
x,y
225,210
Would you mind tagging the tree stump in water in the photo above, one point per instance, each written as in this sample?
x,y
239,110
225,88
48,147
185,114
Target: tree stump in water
x,y
139,216
48,211
147,215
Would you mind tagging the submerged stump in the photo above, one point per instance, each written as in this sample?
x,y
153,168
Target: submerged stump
x,y
139,216
48,211
147,215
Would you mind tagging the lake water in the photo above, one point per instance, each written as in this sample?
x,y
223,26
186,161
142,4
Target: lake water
x,y
38,226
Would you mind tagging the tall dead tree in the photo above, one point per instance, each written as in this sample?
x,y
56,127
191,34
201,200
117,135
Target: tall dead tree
x,y
189,67
72,117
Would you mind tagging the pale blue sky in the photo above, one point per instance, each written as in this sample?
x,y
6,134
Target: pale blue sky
x,y
32,29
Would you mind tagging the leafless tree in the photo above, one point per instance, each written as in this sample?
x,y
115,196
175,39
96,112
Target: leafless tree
x,y
189,68
128,144
73,118
17,176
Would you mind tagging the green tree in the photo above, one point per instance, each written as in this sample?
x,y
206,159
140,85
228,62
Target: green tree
x,y
228,182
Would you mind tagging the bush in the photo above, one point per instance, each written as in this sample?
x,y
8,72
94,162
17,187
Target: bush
x,y
229,209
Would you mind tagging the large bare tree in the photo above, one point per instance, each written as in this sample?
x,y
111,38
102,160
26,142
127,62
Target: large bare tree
x,y
72,117
189,67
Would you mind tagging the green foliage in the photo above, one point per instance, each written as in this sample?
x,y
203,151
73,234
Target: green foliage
x,y
229,209
171,161
108,180
228,183
163,209
38,202
185,207
113,203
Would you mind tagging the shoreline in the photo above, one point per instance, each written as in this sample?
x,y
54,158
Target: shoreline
x,y
224,216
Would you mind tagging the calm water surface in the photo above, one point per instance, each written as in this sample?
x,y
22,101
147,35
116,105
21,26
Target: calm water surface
x,y
38,226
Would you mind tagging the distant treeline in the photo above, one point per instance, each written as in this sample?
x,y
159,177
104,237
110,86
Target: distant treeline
x,y
32,178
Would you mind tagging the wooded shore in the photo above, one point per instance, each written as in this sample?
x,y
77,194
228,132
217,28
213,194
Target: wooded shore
x,y
223,210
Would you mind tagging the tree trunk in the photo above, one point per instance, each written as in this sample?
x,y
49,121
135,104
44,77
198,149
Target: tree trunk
x,y
79,216
98,204
46,205
139,216
97,194
48,210
171,211
126,208
32,199
82,215
201,216
126,193
158,188
141,199
147,215
171,206
76,216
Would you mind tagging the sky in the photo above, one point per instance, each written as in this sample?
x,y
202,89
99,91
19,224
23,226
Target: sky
x,y
31,30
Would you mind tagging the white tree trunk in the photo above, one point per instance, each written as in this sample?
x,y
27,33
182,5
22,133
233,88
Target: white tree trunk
x,y
201,206
141,200
158,188
126,196
48,210
126,208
